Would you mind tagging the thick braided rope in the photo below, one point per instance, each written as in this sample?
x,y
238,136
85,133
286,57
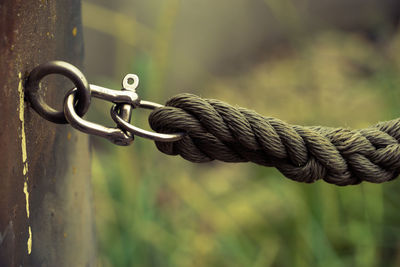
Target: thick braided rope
x,y
216,130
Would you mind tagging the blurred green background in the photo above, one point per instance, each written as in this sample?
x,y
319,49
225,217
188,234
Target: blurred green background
x,y
332,62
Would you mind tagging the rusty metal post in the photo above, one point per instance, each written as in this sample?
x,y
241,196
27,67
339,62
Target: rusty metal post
x,y
46,215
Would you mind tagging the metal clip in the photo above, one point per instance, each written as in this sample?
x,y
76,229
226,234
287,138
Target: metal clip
x,y
126,99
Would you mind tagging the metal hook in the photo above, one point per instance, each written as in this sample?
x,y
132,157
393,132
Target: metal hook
x,y
115,135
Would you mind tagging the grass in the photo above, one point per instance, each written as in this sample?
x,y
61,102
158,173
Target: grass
x,y
156,210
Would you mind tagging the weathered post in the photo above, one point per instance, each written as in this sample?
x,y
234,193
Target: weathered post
x,y
46,216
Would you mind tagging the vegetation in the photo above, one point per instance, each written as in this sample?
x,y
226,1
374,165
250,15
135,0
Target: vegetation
x,y
157,210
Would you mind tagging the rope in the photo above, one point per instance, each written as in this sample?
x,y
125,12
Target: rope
x,y
217,131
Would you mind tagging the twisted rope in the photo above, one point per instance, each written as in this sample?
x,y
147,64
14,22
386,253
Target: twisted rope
x,y
216,130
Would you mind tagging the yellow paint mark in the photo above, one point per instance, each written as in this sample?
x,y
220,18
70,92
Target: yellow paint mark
x,y
74,31
21,118
73,170
69,136
25,170
24,156
26,198
29,243
65,235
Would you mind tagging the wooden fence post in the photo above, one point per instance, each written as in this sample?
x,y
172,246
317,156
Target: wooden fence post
x,y
46,215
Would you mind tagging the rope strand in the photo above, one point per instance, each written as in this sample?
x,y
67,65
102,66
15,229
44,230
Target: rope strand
x,y
218,131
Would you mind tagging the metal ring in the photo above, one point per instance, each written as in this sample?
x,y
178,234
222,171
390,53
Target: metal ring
x,y
65,69
160,137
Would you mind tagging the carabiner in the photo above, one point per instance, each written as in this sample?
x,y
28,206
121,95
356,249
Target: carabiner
x,y
127,98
